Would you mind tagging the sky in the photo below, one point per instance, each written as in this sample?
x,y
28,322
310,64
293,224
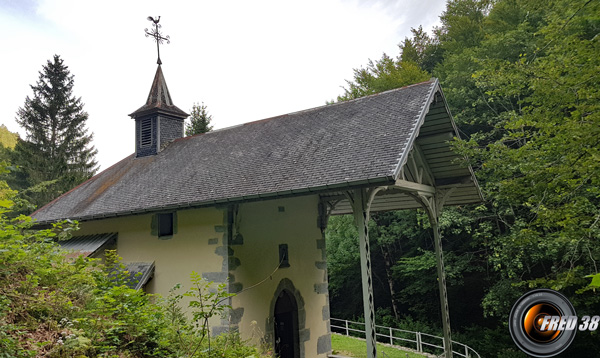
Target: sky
x,y
245,60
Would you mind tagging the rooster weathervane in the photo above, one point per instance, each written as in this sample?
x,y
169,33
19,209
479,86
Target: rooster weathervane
x,y
158,37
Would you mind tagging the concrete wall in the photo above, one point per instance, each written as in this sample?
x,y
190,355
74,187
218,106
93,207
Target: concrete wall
x,y
264,226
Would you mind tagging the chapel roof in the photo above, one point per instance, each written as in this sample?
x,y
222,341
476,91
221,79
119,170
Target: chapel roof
x,y
361,142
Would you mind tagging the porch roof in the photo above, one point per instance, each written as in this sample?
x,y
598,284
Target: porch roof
x,y
139,273
88,245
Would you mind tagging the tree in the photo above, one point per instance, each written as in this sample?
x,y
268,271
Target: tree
x,y
421,49
382,75
543,174
525,80
520,77
56,154
8,139
199,121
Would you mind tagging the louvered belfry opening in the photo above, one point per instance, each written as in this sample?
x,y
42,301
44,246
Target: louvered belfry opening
x,y
159,121
146,130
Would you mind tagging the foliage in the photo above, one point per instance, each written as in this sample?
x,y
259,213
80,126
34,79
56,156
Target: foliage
x,y
421,49
385,74
520,78
595,280
207,301
58,307
57,151
6,193
38,287
199,120
486,341
403,240
8,139
542,174
343,266
231,345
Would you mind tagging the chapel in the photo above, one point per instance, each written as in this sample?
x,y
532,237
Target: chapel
x,y
247,206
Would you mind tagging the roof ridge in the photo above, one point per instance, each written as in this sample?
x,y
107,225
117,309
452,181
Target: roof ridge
x,y
430,81
418,122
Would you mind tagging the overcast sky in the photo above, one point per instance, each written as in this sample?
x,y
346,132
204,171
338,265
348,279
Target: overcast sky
x,y
246,60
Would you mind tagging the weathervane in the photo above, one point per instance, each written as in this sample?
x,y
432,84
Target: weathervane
x,y
158,37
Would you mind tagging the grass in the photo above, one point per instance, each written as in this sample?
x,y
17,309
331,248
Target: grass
x,y
354,347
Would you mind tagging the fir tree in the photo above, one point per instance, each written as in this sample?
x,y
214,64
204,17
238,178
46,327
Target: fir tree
x,y
199,121
57,153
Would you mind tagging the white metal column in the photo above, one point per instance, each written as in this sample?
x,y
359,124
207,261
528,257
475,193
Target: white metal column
x,y
433,205
439,256
360,207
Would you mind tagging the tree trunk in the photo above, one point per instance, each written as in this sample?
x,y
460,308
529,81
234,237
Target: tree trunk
x,y
388,274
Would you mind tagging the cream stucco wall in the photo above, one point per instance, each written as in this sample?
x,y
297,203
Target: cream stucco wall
x,y
192,248
264,227
200,244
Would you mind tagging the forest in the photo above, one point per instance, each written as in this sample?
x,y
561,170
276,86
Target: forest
x,y
521,79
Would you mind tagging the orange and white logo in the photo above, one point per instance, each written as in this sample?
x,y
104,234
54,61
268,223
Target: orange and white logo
x,y
543,323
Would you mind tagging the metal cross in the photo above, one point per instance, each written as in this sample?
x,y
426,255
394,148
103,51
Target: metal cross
x,y
158,37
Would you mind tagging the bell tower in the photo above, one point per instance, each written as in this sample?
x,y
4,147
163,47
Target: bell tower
x,y
158,121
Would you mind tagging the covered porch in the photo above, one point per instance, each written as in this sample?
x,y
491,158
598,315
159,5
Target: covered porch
x,y
429,176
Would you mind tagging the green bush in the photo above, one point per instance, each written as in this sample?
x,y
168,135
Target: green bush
x,y
58,307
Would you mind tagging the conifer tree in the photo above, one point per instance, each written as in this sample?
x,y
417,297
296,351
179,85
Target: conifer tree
x,y
199,120
57,153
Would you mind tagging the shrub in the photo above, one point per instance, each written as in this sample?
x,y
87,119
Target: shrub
x,y
58,307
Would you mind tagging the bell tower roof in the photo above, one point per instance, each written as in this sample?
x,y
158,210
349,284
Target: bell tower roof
x,y
159,100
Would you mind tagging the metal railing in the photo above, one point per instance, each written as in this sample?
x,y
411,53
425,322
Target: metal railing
x,y
422,342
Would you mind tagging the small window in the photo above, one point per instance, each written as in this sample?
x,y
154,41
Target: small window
x,y
284,258
165,224
146,132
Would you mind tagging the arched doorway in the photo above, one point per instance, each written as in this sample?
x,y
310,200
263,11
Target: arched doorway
x,y
286,326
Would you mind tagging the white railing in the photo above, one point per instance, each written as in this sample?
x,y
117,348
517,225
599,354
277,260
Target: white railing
x,y
399,337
